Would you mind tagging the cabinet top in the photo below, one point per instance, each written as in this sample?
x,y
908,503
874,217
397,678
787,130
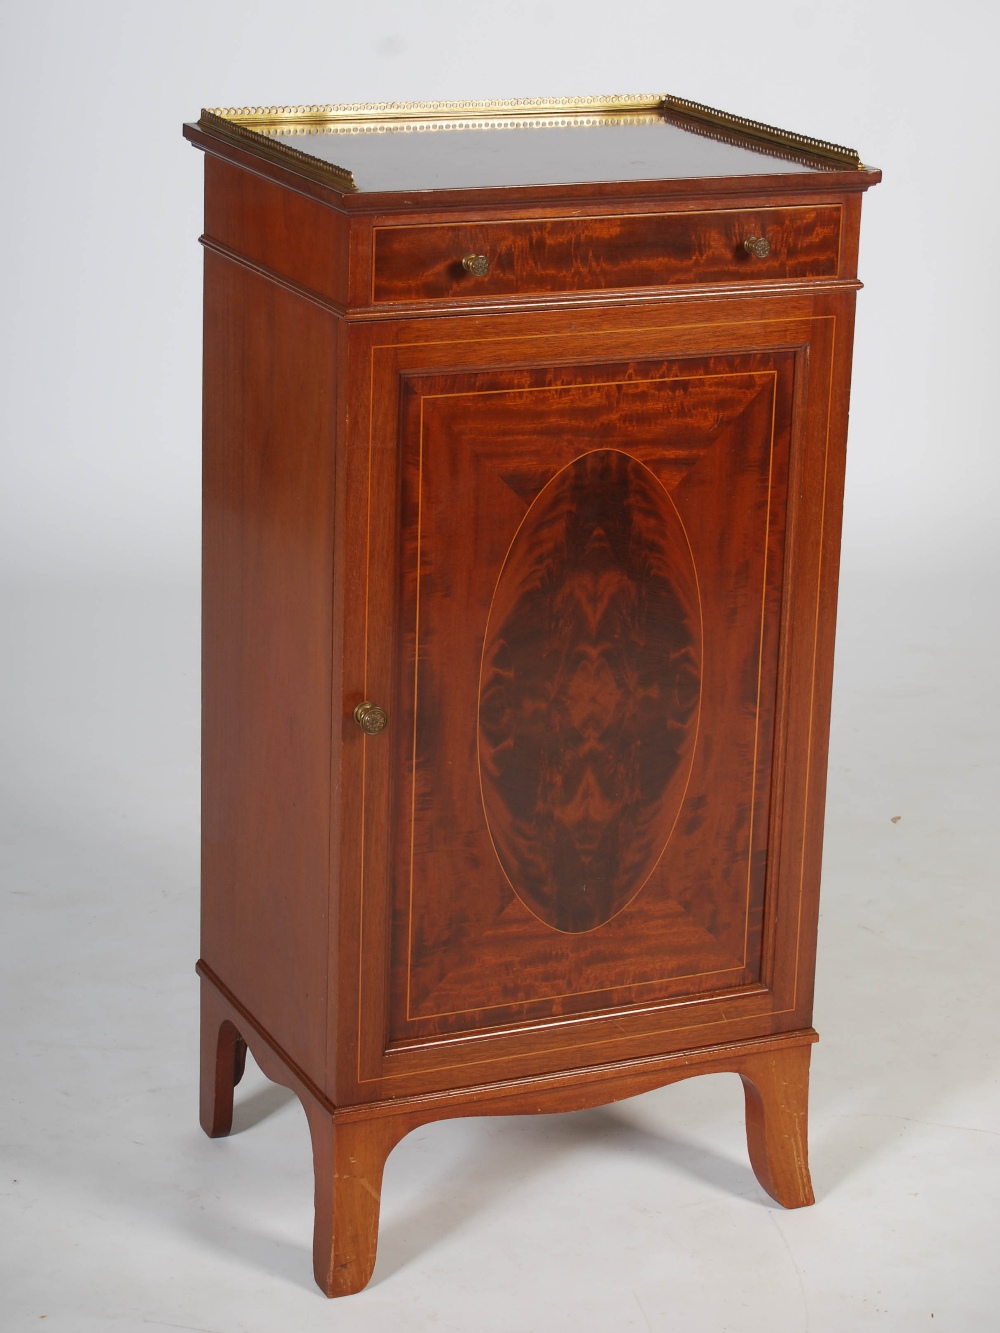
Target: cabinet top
x,y
395,147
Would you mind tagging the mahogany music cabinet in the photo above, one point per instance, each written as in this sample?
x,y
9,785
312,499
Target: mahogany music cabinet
x,y
524,431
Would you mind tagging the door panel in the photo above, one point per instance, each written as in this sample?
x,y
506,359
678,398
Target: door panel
x,y
590,589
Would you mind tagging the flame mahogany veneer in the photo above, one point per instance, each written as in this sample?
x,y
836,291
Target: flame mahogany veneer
x,y
574,524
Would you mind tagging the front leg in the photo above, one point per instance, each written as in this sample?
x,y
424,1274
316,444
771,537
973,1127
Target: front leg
x,y
348,1160
776,1087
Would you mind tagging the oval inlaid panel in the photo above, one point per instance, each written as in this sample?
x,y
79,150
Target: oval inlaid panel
x,y
588,698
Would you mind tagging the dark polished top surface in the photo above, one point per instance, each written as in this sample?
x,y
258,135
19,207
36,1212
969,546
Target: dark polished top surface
x,y
500,154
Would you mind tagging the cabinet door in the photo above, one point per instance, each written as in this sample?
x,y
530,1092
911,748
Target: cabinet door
x,y
569,819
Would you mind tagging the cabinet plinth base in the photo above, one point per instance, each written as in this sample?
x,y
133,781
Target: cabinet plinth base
x,y
351,1144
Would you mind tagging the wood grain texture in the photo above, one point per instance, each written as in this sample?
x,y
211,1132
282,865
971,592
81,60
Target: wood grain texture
x,y
473,937
223,1053
403,363
348,1157
589,688
295,236
581,541
267,571
776,1087
368,1064
350,1145
556,255
348,1162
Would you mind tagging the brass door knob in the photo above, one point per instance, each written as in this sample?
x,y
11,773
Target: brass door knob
x,y
370,718
758,246
478,265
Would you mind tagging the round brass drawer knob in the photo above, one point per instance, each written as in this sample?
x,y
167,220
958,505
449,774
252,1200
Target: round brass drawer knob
x,y
370,718
758,246
477,265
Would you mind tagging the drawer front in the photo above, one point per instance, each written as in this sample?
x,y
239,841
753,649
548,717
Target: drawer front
x,y
424,263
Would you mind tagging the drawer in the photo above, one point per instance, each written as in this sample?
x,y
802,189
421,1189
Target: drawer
x,y
424,263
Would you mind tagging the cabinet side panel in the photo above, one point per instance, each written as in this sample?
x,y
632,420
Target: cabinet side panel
x,y
269,421
286,232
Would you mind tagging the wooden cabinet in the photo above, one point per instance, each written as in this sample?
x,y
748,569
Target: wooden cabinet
x,y
522,508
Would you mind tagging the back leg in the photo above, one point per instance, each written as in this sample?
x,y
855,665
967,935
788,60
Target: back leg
x,y
223,1059
239,1059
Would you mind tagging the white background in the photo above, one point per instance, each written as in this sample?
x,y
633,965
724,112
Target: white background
x,y
120,1216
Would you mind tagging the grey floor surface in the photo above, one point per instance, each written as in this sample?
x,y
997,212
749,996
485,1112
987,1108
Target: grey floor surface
x,y
118,1214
